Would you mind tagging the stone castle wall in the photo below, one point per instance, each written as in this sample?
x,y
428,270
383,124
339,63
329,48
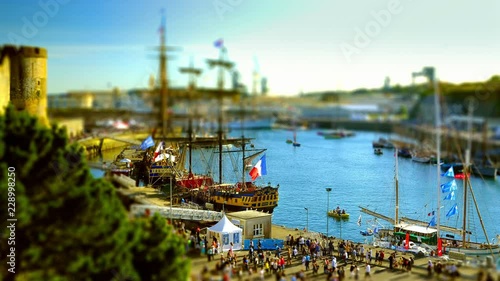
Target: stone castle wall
x,y
28,79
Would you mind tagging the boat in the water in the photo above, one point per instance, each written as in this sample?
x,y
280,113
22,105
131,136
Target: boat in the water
x,y
378,151
338,213
382,143
367,232
420,159
404,153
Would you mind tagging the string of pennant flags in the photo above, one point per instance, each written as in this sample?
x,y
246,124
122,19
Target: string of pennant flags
x,y
450,188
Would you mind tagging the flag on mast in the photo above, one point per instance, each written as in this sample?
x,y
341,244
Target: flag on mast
x,y
158,150
449,186
449,173
432,222
147,143
219,43
259,169
452,211
450,196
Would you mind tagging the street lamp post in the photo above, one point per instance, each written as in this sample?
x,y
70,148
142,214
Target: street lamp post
x,y
307,219
328,189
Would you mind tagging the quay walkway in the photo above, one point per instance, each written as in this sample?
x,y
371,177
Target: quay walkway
x,y
137,210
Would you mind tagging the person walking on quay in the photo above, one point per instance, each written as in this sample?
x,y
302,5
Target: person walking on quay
x,y
354,254
306,260
295,252
381,257
391,261
341,273
362,253
430,267
330,247
352,269
334,263
368,271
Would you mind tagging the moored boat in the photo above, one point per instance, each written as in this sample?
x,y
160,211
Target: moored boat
x,y
420,159
382,143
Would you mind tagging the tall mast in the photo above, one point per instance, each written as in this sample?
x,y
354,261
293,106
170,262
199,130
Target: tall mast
x,y
437,111
466,173
242,121
396,217
163,79
192,73
222,64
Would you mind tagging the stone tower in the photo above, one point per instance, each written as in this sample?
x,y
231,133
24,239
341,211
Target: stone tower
x,y
27,79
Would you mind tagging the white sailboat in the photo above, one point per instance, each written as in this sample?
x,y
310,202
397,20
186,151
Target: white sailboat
x,y
465,246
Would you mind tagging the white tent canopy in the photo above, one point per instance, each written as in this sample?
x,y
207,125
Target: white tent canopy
x,y
226,232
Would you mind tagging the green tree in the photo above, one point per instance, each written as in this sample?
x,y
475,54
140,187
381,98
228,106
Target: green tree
x,y
69,226
156,243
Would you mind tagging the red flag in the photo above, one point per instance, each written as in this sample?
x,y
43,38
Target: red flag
x,y
439,247
407,242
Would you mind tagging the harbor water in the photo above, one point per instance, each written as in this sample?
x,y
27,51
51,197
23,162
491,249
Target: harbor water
x,y
358,177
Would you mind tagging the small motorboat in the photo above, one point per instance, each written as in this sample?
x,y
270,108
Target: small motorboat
x,y
338,214
367,232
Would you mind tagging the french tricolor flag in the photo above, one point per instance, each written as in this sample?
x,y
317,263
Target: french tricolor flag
x,y
259,169
158,150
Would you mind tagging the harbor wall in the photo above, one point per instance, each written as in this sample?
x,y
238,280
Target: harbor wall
x,y
91,145
355,125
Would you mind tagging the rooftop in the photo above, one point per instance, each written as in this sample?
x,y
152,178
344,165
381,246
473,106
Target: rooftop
x,y
248,214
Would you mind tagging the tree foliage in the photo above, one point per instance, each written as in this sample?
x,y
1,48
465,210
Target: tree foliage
x,y
71,226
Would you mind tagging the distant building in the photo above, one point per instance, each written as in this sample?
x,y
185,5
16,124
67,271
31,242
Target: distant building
x,y
23,80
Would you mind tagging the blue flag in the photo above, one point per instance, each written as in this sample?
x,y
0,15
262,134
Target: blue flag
x,y
452,211
219,43
449,186
432,222
450,196
449,173
147,143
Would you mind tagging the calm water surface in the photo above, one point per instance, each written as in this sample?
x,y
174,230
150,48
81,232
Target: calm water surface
x,y
357,177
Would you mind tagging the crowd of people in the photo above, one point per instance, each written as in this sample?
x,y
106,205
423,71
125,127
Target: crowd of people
x,y
312,258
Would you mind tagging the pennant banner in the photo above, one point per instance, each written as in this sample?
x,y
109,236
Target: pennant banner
x,y
449,186
449,173
452,211
450,196
432,222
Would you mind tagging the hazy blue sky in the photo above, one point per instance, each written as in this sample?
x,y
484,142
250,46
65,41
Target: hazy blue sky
x,y
298,44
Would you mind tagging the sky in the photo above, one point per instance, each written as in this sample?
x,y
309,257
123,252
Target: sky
x,y
298,45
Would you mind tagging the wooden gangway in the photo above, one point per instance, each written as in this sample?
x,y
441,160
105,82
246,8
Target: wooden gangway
x,y
377,215
176,213
411,221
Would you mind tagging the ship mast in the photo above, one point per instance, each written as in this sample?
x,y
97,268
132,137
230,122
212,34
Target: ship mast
x,y
223,65
467,184
163,79
396,218
466,174
192,73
